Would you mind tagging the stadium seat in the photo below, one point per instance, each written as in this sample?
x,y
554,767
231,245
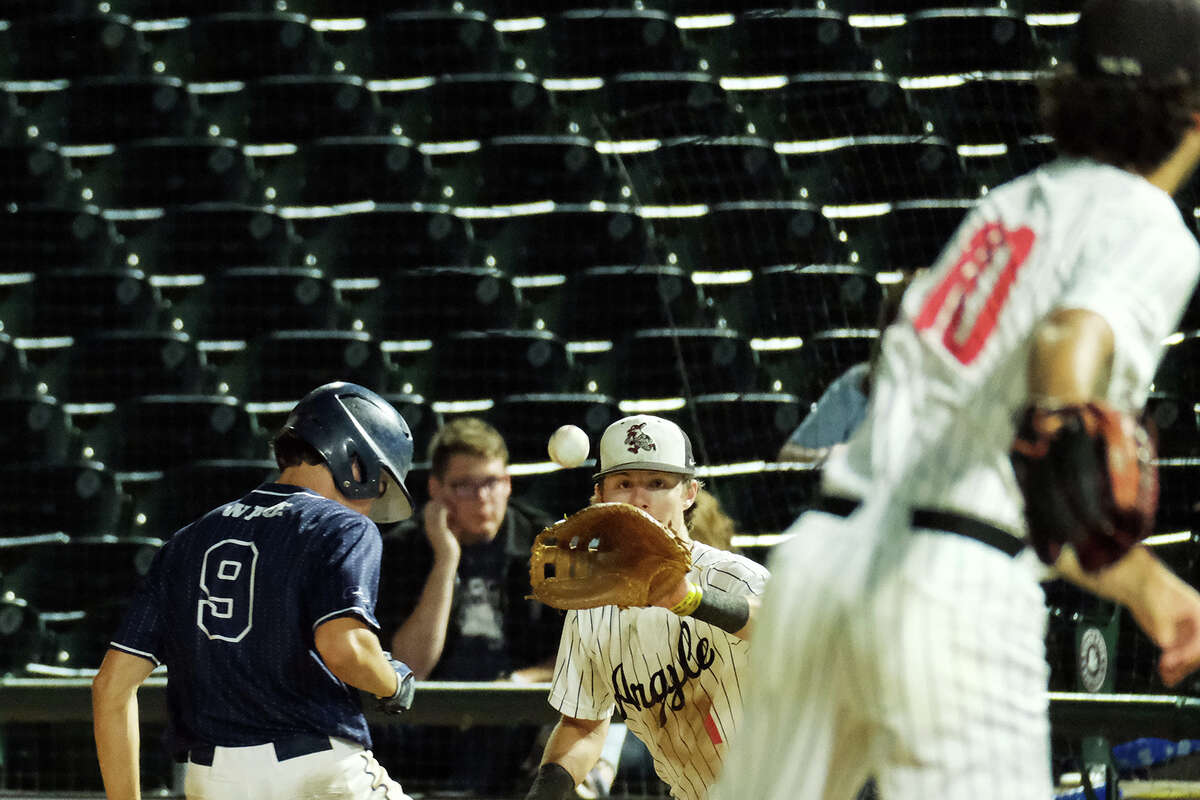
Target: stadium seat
x,y
174,171
436,42
299,108
36,172
746,234
709,170
431,302
23,637
348,169
169,9
157,432
601,303
681,362
17,378
566,239
110,366
662,105
993,166
475,106
878,7
827,354
883,170
12,118
1177,504
733,427
117,109
245,302
558,493
387,239
1179,371
950,41
287,365
768,500
473,365
18,10
791,300
788,41
909,235
78,301
68,47
78,639
37,237
207,237
91,570
527,420
1175,423
604,41
527,169
982,109
76,498
813,106
36,428
244,47
191,489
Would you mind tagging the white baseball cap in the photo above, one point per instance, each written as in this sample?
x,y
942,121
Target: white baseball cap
x,y
645,442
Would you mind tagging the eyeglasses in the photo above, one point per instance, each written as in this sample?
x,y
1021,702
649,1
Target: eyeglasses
x,y
471,488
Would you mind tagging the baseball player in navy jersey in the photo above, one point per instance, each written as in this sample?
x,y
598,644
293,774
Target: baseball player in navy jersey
x,y
903,632
263,613
673,669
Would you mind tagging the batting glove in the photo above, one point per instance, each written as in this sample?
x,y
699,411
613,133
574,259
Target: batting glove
x,y
401,700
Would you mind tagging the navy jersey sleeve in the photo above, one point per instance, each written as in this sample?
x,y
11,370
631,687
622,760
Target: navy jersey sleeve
x,y
345,578
144,628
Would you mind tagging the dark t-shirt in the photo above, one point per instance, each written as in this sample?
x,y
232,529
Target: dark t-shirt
x,y
231,604
493,629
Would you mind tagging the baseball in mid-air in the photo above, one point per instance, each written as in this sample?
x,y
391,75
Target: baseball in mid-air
x,y
569,446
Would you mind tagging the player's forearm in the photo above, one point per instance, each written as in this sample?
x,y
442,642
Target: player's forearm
x,y
576,745
1071,357
420,640
353,655
115,727
1124,582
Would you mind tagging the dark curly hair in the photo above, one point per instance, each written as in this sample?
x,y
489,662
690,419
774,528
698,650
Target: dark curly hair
x,y
1128,123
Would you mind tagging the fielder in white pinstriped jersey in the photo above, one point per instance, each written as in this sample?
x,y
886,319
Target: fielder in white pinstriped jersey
x,y
675,674
900,634
677,681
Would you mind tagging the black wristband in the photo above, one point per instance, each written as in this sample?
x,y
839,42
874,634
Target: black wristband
x,y
729,612
552,782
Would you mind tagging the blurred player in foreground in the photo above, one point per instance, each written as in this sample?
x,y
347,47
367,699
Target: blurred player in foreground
x,y
673,667
263,612
903,630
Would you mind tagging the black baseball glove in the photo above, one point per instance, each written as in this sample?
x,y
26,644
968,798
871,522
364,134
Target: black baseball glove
x,y
1088,475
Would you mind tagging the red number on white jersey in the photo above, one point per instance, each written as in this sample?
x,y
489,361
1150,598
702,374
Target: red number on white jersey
x,y
966,304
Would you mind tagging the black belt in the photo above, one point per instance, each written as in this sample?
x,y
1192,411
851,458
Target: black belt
x,y
302,744
934,520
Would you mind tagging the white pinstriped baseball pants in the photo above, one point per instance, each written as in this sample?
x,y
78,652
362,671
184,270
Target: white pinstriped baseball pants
x,y
916,657
346,772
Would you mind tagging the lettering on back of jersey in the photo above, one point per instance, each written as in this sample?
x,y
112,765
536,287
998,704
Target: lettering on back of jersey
x,y
666,685
239,510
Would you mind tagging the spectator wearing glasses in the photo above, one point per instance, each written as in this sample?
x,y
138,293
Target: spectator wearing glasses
x,y
452,600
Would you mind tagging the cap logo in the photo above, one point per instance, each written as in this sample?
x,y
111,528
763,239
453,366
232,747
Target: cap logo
x,y
636,439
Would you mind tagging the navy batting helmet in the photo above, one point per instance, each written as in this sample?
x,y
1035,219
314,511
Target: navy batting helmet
x,y
345,423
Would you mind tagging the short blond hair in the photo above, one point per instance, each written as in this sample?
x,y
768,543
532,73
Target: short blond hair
x,y
468,436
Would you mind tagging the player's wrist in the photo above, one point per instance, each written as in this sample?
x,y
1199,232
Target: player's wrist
x,y
691,600
725,610
552,782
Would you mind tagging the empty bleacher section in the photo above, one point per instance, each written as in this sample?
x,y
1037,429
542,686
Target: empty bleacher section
x,y
536,211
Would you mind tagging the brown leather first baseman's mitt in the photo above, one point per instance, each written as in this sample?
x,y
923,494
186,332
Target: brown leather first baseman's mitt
x,y
1088,475
606,554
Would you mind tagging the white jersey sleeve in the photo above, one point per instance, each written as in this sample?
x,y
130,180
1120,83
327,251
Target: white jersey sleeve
x,y
579,690
1139,279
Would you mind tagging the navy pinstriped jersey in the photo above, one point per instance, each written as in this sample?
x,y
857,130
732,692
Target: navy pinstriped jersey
x,y
231,604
